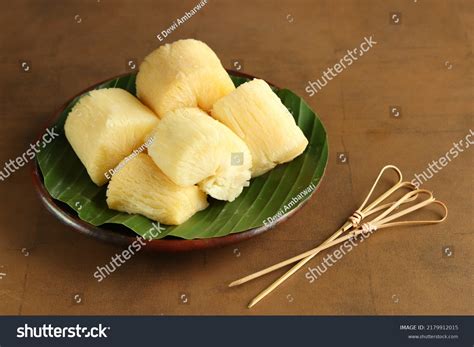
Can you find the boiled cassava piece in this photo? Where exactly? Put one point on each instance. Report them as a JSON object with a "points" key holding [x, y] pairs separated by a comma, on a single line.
{"points": [[141, 187], [105, 126], [191, 147], [185, 73], [256, 114]]}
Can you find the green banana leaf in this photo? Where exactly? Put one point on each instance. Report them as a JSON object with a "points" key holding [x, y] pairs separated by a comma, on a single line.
{"points": [[274, 194]]}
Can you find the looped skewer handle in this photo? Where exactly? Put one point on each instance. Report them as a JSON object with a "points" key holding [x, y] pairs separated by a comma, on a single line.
{"points": [[382, 221], [362, 212], [359, 215], [370, 227], [386, 194]]}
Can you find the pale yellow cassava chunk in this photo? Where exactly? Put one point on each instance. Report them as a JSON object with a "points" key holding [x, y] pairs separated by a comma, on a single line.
{"points": [[141, 187], [105, 126], [186, 73], [256, 114], [191, 147]]}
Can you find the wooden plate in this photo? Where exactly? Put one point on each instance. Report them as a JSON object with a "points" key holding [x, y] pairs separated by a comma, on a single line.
{"points": [[121, 235]]}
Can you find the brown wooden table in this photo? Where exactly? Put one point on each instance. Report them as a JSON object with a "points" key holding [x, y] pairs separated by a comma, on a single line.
{"points": [[422, 64]]}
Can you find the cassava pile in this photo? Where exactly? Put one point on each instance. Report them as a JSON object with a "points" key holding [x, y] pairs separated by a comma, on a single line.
{"points": [[205, 136]]}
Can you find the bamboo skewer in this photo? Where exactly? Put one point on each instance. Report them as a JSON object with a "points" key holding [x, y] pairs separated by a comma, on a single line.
{"points": [[355, 222], [295, 268], [361, 212], [308, 254], [378, 223]]}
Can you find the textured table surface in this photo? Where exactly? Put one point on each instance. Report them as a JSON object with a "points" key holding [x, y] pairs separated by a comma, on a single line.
{"points": [[422, 64]]}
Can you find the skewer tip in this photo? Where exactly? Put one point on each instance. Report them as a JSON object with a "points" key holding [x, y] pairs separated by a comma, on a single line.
{"points": [[238, 282], [253, 302]]}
